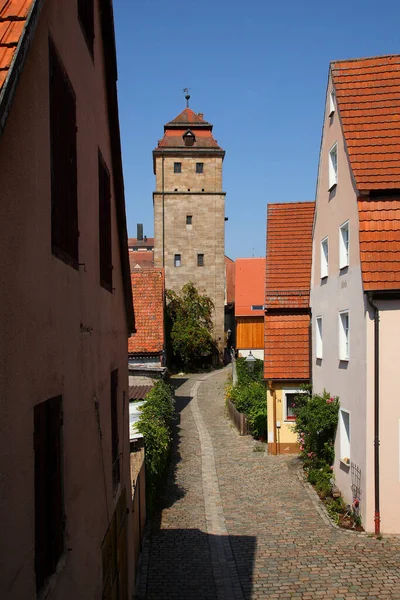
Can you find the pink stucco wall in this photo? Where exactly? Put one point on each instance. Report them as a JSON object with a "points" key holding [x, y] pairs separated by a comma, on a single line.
{"points": [[341, 290], [43, 302]]}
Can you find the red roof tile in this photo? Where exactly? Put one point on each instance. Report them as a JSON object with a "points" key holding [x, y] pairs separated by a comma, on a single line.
{"points": [[188, 119], [230, 268], [289, 254], [287, 346], [380, 242], [249, 286], [368, 99], [148, 299], [141, 260], [13, 16], [174, 139]]}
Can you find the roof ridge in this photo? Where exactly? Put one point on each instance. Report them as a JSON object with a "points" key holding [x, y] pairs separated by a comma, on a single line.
{"points": [[379, 56]]}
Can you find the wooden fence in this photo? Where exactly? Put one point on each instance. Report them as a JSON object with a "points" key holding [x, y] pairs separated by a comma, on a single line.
{"points": [[238, 419]]}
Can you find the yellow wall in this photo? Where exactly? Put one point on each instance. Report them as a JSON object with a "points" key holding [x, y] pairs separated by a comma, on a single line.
{"points": [[286, 442]]}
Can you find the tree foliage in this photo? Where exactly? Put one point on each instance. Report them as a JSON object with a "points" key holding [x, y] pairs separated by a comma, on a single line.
{"points": [[189, 322]]}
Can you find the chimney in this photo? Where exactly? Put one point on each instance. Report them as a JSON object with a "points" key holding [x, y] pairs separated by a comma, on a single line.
{"points": [[201, 115], [140, 232]]}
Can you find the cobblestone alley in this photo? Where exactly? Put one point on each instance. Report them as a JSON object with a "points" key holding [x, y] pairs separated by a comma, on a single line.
{"points": [[238, 524]]}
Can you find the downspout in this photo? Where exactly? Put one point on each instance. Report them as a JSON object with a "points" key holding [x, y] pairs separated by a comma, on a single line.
{"points": [[377, 517], [163, 216], [273, 392]]}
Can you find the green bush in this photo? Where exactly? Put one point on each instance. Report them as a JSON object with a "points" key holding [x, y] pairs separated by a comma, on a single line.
{"points": [[155, 424], [245, 376], [250, 399]]}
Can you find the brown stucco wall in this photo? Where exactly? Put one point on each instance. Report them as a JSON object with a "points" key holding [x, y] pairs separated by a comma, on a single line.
{"points": [[43, 352]]}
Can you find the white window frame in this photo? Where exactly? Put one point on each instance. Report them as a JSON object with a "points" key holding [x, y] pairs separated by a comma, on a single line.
{"points": [[324, 258], [344, 336], [345, 436], [177, 261], [284, 403], [318, 337], [333, 167], [343, 249], [332, 102]]}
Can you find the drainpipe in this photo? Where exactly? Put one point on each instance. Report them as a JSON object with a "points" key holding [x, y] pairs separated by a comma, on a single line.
{"points": [[377, 518], [273, 392], [163, 217]]}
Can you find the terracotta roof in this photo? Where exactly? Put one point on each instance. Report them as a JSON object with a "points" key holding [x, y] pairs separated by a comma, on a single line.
{"points": [[188, 117], [140, 259], [144, 243], [380, 242], [368, 98], [230, 268], [13, 17], [287, 346], [174, 139], [289, 254], [148, 299], [249, 286]]}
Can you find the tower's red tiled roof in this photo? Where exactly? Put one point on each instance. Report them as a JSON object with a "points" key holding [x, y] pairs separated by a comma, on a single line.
{"points": [[249, 286], [188, 117], [289, 254], [13, 17], [287, 346], [148, 299], [368, 98], [380, 242], [174, 139]]}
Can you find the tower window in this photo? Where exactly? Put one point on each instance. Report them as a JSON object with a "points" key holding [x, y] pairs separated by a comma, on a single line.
{"points": [[177, 260], [199, 167], [200, 260], [177, 167], [189, 219]]}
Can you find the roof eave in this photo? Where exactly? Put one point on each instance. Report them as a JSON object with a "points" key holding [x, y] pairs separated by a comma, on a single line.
{"points": [[18, 62]]}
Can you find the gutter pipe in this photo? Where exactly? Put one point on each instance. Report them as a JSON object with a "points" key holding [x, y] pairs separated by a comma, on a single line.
{"points": [[377, 516]]}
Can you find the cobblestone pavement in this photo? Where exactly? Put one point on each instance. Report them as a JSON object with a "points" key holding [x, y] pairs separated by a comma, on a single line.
{"points": [[238, 524]]}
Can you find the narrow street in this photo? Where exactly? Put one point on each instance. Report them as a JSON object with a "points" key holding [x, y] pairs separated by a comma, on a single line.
{"points": [[239, 524]]}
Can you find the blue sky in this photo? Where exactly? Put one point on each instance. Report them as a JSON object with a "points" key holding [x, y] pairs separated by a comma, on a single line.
{"points": [[258, 71]]}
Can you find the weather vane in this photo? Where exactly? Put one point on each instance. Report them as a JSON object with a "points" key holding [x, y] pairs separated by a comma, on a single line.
{"points": [[187, 96]]}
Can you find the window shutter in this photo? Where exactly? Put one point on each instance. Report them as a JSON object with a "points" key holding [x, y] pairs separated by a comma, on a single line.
{"points": [[64, 199], [105, 226]]}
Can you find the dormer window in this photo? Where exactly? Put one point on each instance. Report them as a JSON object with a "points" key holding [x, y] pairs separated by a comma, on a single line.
{"points": [[189, 138], [332, 102]]}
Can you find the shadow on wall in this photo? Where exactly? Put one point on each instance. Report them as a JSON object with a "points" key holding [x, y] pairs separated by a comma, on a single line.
{"points": [[188, 563]]}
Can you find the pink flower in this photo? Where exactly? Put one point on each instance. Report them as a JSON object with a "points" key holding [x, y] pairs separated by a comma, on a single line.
{"points": [[331, 468], [301, 448], [309, 454]]}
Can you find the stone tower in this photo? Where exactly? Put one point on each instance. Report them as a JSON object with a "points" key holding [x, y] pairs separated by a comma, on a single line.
{"points": [[189, 210]]}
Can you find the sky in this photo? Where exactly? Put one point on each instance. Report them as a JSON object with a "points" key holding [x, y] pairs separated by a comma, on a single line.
{"points": [[258, 71]]}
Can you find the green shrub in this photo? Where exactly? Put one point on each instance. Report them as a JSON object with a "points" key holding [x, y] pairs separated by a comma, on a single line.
{"points": [[155, 424], [246, 376], [250, 399]]}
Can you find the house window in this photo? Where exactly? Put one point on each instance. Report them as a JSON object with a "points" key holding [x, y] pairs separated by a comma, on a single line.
{"points": [[63, 161], [344, 335], [324, 258], [114, 429], [189, 219], [177, 260], [344, 429], [333, 166], [332, 102], [105, 226], [344, 245], [257, 307], [200, 260], [318, 338], [49, 511], [177, 167], [199, 167], [86, 19]]}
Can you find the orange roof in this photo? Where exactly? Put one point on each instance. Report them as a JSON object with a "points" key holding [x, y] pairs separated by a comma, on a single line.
{"points": [[287, 346], [368, 99], [148, 299], [230, 268], [380, 242], [141, 259], [289, 254], [187, 117], [189, 120], [13, 17], [249, 286]]}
